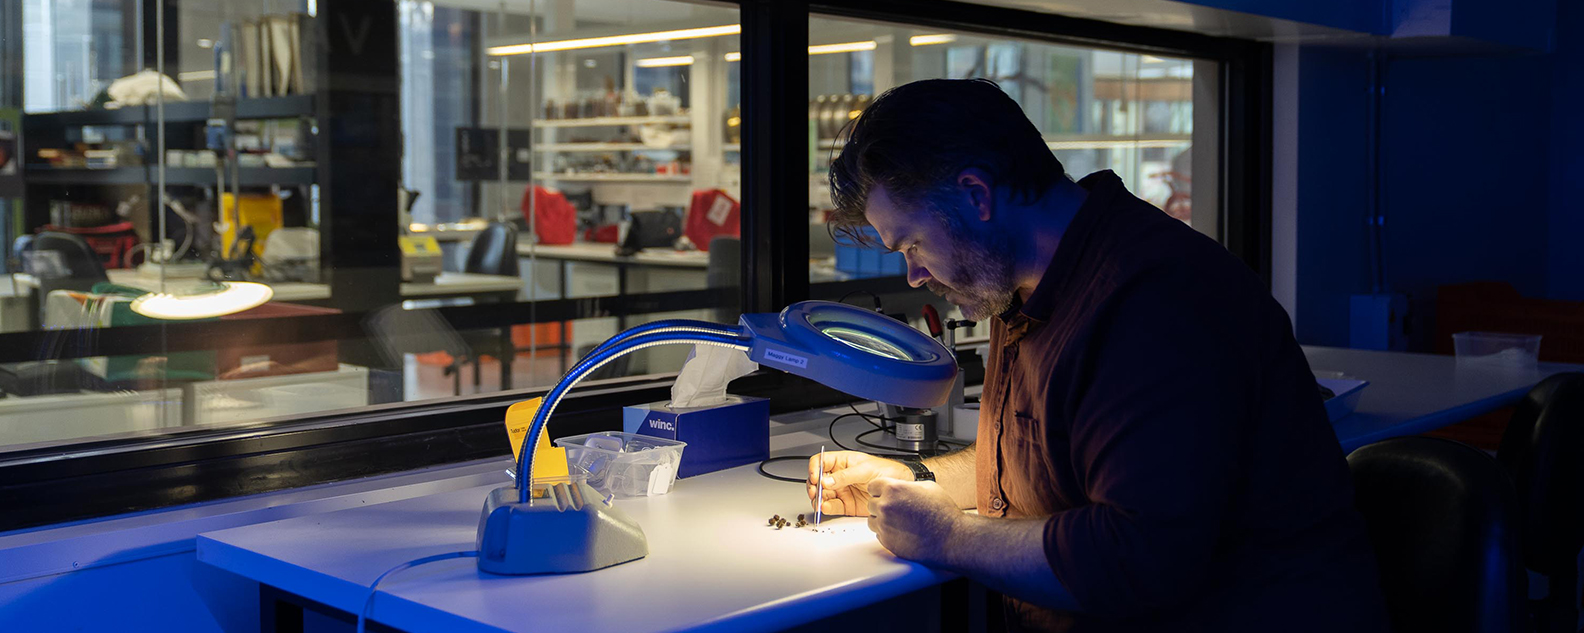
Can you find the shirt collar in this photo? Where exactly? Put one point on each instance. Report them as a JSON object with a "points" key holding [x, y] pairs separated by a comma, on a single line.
{"points": [[1103, 187]]}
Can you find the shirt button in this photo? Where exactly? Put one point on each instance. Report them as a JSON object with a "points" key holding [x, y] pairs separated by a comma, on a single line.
{"points": [[996, 504]]}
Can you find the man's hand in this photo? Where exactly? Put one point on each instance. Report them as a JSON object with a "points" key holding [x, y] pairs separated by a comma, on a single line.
{"points": [[913, 519], [847, 475]]}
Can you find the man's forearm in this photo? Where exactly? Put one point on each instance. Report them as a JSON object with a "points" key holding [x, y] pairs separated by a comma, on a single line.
{"points": [[1007, 555], [954, 471]]}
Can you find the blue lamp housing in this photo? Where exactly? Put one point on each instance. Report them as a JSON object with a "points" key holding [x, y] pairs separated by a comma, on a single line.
{"points": [[853, 350], [570, 528]]}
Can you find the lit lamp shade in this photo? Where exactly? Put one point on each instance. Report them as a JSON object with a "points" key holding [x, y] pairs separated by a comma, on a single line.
{"points": [[228, 297]]}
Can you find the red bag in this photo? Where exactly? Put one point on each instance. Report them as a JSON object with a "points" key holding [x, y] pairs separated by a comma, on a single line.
{"points": [[712, 214], [554, 218]]}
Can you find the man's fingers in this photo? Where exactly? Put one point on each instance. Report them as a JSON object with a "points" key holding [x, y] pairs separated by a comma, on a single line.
{"points": [[874, 524], [879, 485]]}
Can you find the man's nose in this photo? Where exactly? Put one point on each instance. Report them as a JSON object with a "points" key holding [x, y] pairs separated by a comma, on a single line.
{"points": [[917, 274]]}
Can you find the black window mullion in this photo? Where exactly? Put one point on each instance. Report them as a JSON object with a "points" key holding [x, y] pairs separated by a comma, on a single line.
{"points": [[775, 227]]}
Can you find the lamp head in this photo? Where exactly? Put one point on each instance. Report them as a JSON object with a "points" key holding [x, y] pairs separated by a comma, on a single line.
{"points": [[855, 351]]}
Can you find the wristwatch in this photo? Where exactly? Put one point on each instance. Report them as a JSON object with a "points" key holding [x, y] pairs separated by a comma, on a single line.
{"points": [[920, 472]]}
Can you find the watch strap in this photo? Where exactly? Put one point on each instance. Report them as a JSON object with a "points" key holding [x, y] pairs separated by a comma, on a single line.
{"points": [[920, 471]]}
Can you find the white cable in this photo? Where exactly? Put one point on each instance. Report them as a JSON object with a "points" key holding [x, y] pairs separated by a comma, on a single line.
{"points": [[368, 603]]}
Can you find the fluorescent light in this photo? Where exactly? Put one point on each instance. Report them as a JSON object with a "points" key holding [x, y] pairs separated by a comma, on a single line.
{"points": [[231, 297], [196, 75], [1151, 59], [845, 47], [926, 40], [616, 40], [657, 62], [821, 49]]}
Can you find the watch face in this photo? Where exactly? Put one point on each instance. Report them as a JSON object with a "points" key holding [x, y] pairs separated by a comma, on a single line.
{"points": [[865, 341]]}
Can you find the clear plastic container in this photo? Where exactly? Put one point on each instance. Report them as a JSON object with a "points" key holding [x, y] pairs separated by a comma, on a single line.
{"points": [[1497, 348], [625, 464]]}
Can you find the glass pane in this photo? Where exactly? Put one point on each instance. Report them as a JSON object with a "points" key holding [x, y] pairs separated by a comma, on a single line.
{"points": [[1098, 110], [464, 198]]}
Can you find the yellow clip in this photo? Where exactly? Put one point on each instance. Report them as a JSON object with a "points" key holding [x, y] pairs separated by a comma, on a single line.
{"points": [[548, 461]]}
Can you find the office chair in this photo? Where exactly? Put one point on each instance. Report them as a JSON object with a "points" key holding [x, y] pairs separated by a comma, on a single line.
{"points": [[1543, 450], [75, 266], [493, 252], [1444, 522]]}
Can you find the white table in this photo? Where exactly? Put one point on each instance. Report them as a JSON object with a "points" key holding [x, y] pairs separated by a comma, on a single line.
{"points": [[713, 565], [1414, 393]]}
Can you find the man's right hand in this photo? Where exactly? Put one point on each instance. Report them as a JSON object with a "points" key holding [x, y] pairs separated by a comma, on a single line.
{"points": [[847, 475]]}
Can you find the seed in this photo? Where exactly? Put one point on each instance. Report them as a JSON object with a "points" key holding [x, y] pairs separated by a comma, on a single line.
{"points": [[800, 517]]}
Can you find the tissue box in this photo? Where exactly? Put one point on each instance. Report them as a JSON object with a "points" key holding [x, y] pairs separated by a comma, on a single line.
{"points": [[730, 434]]}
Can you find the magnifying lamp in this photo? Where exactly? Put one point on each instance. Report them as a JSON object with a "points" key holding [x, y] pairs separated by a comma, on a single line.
{"points": [[572, 528], [227, 297]]}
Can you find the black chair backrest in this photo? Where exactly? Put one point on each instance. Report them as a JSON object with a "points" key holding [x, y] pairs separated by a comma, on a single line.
{"points": [[80, 261], [1543, 449], [1443, 519], [494, 251]]}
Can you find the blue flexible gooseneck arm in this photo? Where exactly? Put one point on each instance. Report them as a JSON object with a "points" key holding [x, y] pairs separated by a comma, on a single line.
{"points": [[665, 332]]}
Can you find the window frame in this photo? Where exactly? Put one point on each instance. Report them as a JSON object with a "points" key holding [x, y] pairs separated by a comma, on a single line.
{"points": [[100, 478]]}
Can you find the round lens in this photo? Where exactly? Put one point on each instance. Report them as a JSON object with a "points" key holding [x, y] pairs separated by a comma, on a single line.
{"points": [[866, 342]]}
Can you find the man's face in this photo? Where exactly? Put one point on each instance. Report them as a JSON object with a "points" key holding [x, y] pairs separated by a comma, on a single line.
{"points": [[960, 258]]}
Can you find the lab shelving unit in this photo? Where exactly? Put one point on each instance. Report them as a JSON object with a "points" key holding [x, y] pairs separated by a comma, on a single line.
{"points": [[184, 122]]}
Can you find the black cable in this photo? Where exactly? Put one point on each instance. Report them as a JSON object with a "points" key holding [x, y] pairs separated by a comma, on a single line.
{"points": [[869, 417], [832, 432], [794, 480], [844, 298]]}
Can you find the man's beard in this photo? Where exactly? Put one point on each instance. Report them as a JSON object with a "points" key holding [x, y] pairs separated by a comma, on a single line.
{"points": [[983, 270]]}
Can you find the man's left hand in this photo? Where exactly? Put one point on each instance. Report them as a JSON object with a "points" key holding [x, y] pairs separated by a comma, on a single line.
{"points": [[913, 519]]}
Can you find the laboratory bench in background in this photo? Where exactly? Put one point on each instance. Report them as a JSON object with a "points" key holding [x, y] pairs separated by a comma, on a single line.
{"points": [[714, 563]]}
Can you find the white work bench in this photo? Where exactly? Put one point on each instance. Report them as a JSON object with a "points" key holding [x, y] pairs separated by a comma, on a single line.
{"points": [[714, 564]]}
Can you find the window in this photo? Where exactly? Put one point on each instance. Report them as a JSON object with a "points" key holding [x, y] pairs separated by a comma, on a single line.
{"points": [[451, 206], [1099, 109]]}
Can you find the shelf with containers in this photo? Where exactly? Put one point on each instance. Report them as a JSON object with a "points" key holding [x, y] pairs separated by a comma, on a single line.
{"points": [[82, 168]]}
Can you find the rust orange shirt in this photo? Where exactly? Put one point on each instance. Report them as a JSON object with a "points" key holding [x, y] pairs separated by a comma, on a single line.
{"points": [[1148, 400]]}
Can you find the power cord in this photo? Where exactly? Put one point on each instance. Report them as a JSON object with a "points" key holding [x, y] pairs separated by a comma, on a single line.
{"points": [[772, 460], [849, 295], [368, 603]]}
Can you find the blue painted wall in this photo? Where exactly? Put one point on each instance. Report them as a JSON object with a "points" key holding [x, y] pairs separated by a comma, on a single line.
{"points": [[1565, 252], [1332, 205], [1466, 167], [1479, 157]]}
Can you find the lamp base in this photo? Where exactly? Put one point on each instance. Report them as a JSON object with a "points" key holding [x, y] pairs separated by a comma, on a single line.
{"points": [[570, 529]]}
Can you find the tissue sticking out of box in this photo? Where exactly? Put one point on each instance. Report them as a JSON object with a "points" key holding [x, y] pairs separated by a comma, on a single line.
{"points": [[705, 375]]}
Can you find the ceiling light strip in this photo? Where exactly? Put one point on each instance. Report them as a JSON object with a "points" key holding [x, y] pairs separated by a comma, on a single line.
{"points": [[616, 40]]}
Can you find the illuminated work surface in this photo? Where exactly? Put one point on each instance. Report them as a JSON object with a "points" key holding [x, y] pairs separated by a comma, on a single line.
{"points": [[713, 563]]}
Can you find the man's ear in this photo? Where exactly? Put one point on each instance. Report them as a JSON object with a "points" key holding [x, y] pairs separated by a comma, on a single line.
{"points": [[980, 191]]}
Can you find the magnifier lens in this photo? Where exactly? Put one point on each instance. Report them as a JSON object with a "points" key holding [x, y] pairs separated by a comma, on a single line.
{"points": [[866, 342]]}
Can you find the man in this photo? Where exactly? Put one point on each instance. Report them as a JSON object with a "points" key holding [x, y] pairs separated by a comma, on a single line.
{"points": [[1153, 453]]}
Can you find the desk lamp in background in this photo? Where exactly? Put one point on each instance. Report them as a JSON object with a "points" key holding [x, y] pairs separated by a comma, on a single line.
{"points": [[568, 527]]}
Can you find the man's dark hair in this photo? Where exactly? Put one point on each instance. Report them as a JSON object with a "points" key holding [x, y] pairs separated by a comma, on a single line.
{"points": [[915, 138]]}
